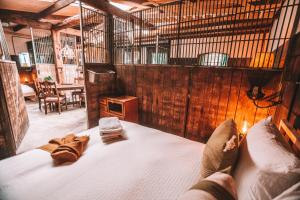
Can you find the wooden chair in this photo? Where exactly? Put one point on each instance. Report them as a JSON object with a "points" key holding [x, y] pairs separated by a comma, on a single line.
{"points": [[51, 96], [78, 95], [39, 92], [81, 99]]}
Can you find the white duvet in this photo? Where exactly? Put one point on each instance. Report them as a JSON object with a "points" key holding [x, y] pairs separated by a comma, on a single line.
{"points": [[27, 91], [149, 165]]}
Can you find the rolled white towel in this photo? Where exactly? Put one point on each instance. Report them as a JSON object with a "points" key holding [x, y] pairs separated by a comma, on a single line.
{"points": [[109, 125]]}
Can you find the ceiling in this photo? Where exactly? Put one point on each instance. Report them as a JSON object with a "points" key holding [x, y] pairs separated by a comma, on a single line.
{"points": [[37, 6]]}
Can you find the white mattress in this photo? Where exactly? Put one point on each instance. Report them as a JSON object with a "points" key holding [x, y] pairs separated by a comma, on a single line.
{"points": [[149, 165]]}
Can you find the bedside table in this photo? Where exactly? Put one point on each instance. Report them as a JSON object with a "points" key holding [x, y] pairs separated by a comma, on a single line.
{"points": [[123, 107]]}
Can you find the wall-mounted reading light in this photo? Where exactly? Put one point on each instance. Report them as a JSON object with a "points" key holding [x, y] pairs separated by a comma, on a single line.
{"points": [[257, 81], [244, 128]]}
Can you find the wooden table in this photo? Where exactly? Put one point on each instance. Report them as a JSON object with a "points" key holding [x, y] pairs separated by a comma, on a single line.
{"points": [[69, 87]]}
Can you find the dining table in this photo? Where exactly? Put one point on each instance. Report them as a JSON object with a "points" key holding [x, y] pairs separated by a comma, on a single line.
{"points": [[69, 87]]}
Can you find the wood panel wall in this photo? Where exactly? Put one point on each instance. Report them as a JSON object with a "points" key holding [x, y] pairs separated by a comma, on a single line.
{"points": [[94, 90], [13, 118], [290, 107], [192, 101]]}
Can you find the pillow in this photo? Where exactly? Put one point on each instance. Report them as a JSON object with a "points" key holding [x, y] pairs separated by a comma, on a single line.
{"points": [[268, 150], [221, 149], [255, 177], [218, 186]]}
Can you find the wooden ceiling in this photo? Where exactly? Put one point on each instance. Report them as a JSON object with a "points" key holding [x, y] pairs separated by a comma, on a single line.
{"points": [[47, 14], [43, 14]]}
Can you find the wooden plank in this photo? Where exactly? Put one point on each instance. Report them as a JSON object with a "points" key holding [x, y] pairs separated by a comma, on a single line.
{"points": [[12, 106], [30, 15], [107, 7], [57, 56], [19, 19], [215, 95], [291, 135], [58, 5], [67, 23]]}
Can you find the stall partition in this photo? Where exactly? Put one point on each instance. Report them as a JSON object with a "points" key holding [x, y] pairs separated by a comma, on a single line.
{"points": [[96, 59], [193, 64]]}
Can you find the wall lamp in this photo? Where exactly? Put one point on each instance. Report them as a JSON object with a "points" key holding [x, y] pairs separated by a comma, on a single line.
{"points": [[257, 81]]}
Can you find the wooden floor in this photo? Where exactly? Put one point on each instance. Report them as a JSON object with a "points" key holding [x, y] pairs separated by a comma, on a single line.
{"points": [[43, 127]]}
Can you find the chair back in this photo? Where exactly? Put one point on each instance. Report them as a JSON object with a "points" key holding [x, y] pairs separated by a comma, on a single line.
{"points": [[49, 89], [38, 88]]}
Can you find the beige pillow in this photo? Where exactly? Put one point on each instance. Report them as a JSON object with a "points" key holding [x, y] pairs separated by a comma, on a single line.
{"points": [[221, 150]]}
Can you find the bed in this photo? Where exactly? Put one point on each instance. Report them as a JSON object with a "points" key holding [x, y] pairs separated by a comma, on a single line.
{"points": [[150, 164], [28, 91]]}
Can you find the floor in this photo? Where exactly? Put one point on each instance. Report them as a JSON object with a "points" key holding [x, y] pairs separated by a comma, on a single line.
{"points": [[43, 127]]}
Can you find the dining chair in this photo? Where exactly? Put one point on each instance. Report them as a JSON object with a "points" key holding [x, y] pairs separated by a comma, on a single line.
{"points": [[51, 95], [77, 95], [39, 92]]}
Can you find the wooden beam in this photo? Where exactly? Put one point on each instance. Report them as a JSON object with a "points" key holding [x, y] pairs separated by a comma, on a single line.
{"points": [[68, 23], [31, 15], [71, 31], [19, 19], [18, 27], [107, 7], [58, 5], [75, 21], [139, 1], [57, 55]]}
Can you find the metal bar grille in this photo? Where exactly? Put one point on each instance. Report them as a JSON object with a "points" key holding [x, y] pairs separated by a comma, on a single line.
{"points": [[95, 36], [43, 46], [252, 33]]}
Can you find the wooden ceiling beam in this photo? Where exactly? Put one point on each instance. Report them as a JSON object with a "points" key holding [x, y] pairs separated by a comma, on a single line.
{"points": [[19, 27], [58, 5], [30, 15], [107, 7], [19, 19], [67, 23]]}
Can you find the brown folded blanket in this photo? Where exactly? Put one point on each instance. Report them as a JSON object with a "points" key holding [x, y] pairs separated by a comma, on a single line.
{"points": [[214, 189], [66, 149]]}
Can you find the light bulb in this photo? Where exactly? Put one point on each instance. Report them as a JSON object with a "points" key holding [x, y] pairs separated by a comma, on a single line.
{"points": [[245, 127]]}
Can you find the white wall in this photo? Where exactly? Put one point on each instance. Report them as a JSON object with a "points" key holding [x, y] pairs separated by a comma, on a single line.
{"points": [[282, 27], [16, 44]]}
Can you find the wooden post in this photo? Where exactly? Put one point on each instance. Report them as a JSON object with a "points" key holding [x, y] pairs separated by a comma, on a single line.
{"points": [[57, 55]]}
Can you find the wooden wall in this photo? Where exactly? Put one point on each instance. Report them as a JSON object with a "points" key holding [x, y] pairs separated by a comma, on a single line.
{"points": [[94, 90], [290, 107], [14, 120], [192, 101]]}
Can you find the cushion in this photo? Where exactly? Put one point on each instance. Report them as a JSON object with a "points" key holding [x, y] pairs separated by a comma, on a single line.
{"points": [[268, 150], [221, 149], [216, 186], [255, 177]]}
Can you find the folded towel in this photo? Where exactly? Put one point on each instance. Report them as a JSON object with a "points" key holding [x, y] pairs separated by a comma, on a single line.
{"points": [[109, 124], [67, 149]]}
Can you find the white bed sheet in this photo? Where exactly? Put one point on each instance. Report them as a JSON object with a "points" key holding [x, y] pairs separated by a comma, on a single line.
{"points": [[150, 165]]}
